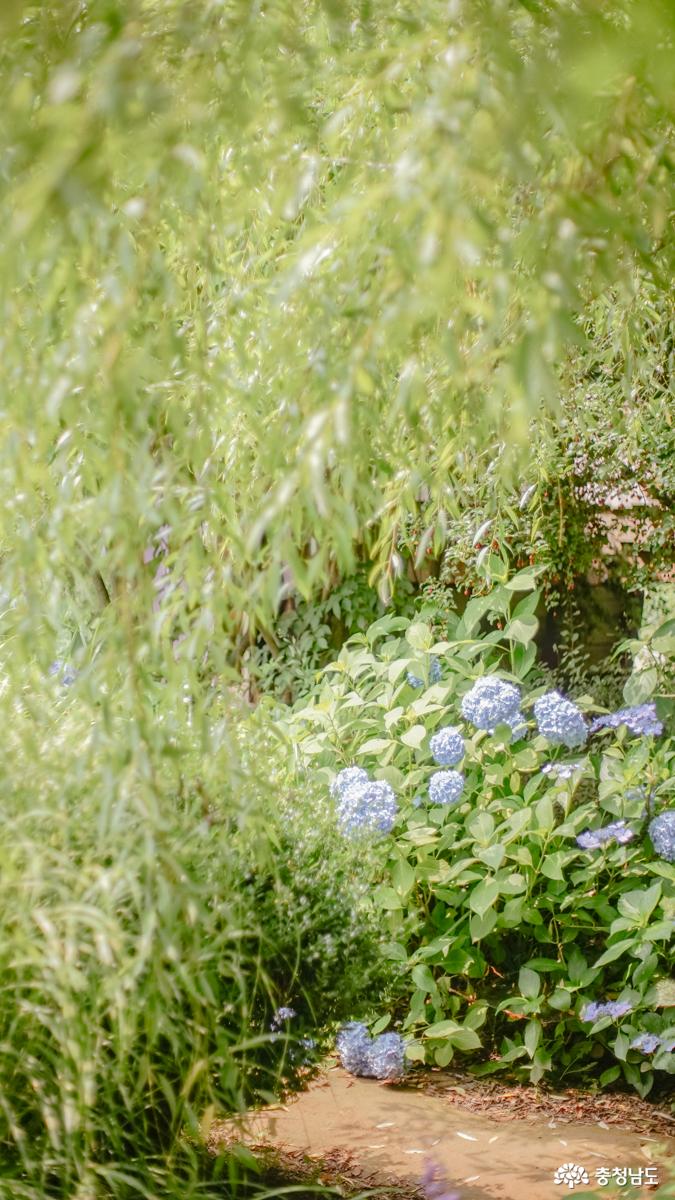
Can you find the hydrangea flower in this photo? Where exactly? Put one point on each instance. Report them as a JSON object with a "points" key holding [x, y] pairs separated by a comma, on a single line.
{"points": [[379, 1058], [353, 1047], [434, 674], [561, 770], [593, 839], [367, 806], [559, 720], [662, 833], [387, 1056], [346, 777], [640, 719], [611, 1008], [492, 702], [447, 746], [646, 1042], [446, 787]]}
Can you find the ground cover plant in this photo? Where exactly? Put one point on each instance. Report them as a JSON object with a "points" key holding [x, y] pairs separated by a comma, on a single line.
{"points": [[528, 879]]}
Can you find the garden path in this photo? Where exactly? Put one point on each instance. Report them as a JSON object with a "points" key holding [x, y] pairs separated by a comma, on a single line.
{"points": [[392, 1131]]}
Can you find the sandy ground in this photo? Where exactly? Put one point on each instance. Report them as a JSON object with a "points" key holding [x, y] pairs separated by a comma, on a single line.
{"points": [[392, 1133]]}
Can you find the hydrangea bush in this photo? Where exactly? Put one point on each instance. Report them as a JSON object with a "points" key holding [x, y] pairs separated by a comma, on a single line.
{"points": [[528, 889]]}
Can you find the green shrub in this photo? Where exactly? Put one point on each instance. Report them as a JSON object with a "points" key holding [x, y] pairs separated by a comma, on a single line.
{"points": [[154, 915], [498, 920]]}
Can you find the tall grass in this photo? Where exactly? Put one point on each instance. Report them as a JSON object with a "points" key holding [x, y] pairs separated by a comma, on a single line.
{"points": [[149, 925]]}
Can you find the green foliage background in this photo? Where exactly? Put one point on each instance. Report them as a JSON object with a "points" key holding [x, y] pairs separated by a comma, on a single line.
{"points": [[272, 276]]}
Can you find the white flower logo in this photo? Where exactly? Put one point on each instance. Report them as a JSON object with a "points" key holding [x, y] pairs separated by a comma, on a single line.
{"points": [[571, 1174]]}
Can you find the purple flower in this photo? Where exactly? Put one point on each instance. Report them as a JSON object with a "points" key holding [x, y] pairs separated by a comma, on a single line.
{"points": [[353, 1047], [646, 1042], [640, 719], [435, 1185], [593, 839], [282, 1014], [447, 746], [610, 1008]]}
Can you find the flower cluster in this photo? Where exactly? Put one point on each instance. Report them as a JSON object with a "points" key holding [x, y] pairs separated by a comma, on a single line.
{"points": [[345, 778], [559, 720], [649, 1042], [446, 787], [662, 833], [434, 674], [447, 746], [593, 839], [611, 1008], [378, 1058], [641, 719], [366, 805], [492, 702]]}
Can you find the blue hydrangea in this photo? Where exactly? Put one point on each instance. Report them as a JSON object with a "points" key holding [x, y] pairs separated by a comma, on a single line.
{"points": [[560, 721], [611, 1008], [345, 778], [446, 787], [640, 719], [353, 1047], [617, 831], [662, 833], [447, 746], [492, 702], [434, 674], [380, 1058], [367, 806], [646, 1042], [387, 1056]]}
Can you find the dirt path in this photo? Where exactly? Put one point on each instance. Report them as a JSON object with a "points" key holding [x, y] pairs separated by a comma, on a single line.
{"points": [[393, 1132]]}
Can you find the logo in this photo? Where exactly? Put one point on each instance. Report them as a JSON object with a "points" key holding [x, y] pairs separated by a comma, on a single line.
{"points": [[571, 1174]]}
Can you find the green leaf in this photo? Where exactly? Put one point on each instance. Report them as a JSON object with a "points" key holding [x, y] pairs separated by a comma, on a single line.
{"points": [[419, 636], [522, 629], [375, 746], [444, 1054], [529, 983], [524, 581], [482, 897], [638, 905], [403, 877], [481, 926], [532, 1036], [414, 737], [380, 1025], [466, 1039], [481, 826], [441, 1029], [616, 951], [640, 686], [423, 978]]}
